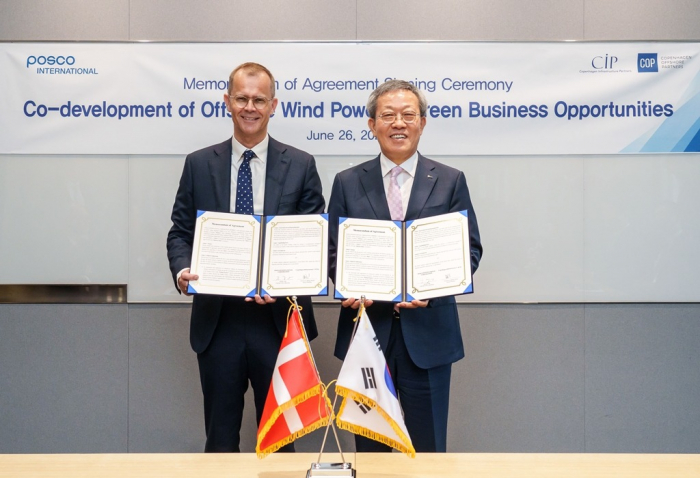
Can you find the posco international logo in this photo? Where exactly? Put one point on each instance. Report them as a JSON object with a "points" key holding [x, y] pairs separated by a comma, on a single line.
{"points": [[50, 60], [57, 65], [647, 63]]}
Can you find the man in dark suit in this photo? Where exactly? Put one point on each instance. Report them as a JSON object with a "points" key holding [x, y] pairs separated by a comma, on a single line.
{"points": [[237, 339], [420, 339]]}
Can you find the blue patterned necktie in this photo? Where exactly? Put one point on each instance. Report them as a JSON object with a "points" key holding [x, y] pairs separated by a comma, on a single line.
{"points": [[244, 185]]}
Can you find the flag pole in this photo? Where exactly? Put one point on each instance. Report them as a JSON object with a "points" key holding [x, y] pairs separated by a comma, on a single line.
{"points": [[325, 436], [330, 423], [325, 403], [357, 319]]}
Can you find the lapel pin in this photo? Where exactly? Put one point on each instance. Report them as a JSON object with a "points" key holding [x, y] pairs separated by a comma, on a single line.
{"points": [[429, 176]]}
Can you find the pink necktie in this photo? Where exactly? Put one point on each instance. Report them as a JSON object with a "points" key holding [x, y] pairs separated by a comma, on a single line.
{"points": [[394, 195]]}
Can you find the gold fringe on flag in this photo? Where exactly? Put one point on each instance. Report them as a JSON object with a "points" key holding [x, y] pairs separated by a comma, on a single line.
{"points": [[316, 390], [359, 430]]}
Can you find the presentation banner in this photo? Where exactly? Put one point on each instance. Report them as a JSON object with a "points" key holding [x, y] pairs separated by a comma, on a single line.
{"points": [[484, 98]]}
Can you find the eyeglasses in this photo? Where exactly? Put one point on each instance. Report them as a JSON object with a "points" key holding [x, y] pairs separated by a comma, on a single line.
{"points": [[409, 117], [259, 102]]}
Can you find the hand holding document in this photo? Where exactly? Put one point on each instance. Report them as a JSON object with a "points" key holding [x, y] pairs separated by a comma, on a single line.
{"points": [[400, 262], [245, 255]]}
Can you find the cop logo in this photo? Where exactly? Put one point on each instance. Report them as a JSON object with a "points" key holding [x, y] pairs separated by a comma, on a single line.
{"points": [[647, 63]]}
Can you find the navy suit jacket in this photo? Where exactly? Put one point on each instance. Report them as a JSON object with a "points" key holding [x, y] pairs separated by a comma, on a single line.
{"points": [[292, 186], [432, 334]]}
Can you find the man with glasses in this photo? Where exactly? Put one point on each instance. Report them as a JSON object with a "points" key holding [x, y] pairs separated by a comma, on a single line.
{"points": [[420, 339], [237, 339]]}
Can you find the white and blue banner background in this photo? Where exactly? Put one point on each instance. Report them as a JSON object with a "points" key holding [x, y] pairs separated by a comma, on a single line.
{"points": [[485, 98]]}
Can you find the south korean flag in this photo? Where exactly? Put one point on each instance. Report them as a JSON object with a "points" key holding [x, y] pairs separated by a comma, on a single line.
{"points": [[370, 404]]}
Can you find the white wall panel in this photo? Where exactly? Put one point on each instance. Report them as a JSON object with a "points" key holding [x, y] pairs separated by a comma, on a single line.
{"points": [[63, 219], [153, 182], [642, 228]]}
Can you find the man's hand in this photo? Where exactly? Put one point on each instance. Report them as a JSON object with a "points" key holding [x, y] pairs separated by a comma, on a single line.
{"points": [[355, 303], [185, 279], [414, 304], [266, 299]]}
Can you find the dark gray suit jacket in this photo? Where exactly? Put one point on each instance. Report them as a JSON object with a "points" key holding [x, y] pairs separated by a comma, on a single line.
{"points": [[432, 334], [292, 186]]}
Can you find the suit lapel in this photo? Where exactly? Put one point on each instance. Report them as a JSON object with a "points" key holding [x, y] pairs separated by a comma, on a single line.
{"points": [[220, 172], [276, 170], [423, 184], [373, 185]]}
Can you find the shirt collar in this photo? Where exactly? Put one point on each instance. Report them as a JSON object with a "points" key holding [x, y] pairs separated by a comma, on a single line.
{"points": [[259, 149], [409, 165]]}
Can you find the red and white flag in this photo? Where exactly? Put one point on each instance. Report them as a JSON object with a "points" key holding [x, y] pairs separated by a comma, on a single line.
{"points": [[296, 403]]}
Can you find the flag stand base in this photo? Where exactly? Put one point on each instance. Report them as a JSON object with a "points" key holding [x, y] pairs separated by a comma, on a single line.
{"points": [[330, 469]]}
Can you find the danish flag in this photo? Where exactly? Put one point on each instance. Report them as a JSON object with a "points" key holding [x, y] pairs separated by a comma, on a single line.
{"points": [[296, 402]]}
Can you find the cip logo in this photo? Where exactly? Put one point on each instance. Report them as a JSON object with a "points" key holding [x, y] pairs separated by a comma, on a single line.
{"points": [[647, 63], [606, 62]]}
